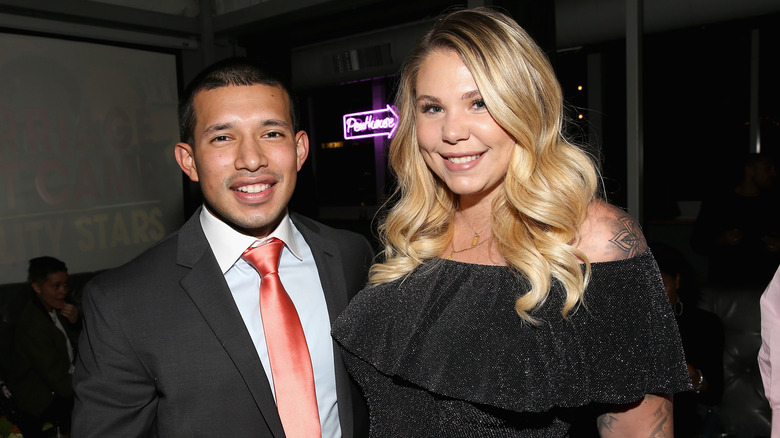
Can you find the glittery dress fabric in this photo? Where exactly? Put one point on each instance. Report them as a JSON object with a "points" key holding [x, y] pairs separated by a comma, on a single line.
{"points": [[442, 353]]}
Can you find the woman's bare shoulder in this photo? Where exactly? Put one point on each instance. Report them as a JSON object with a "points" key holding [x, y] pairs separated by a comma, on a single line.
{"points": [[609, 233]]}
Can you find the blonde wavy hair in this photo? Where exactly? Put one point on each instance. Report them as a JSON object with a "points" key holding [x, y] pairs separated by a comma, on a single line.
{"points": [[548, 185]]}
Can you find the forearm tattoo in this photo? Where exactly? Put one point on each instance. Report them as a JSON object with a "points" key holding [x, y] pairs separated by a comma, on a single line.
{"points": [[662, 419], [657, 424], [605, 423], [628, 236]]}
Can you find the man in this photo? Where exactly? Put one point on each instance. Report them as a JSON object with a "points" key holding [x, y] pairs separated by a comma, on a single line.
{"points": [[174, 344], [45, 348], [739, 231]]}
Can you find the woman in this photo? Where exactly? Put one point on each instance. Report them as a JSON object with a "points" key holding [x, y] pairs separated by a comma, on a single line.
{"points": [[701, 332], [478, 322], [45, 347]]}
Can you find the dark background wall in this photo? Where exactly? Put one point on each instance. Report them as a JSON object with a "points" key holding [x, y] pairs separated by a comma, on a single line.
{"points": [[698, 65]]}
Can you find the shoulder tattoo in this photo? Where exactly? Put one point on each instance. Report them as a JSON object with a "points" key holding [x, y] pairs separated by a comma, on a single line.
{"points": [[627, 236]]}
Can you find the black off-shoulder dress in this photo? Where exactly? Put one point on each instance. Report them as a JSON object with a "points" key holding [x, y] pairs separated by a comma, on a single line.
{"points": [[442, 353]]}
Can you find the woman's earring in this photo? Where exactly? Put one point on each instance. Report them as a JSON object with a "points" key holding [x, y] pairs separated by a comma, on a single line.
{"points": [[678, 307]]}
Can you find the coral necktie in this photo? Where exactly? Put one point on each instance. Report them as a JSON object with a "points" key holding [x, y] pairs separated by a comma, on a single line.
{"points": [[291, 368]]}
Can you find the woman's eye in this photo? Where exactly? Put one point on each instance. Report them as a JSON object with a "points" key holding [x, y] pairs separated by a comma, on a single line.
{"points": [[479, 104], [430, 108]]}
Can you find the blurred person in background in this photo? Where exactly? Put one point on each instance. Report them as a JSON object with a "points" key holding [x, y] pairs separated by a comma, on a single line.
{"points": [[45, 346], [739, 230], [702, 337]]}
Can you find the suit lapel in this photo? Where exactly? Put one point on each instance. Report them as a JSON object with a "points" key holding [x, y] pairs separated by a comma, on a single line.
{"points": [[329, 266], [328, 260], [208, 290]]}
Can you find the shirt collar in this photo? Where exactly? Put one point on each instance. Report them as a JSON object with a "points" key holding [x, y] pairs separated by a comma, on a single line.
{"points": [[228, 244]]}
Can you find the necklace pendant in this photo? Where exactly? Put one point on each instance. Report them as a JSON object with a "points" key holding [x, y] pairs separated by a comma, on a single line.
{"points": [[475, 240]]}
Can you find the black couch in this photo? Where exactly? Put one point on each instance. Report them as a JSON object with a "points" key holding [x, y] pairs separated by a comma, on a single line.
{"points": [[744, 409]]}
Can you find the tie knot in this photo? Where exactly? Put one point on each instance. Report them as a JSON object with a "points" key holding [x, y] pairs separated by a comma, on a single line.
{"points": [[265, 258]]}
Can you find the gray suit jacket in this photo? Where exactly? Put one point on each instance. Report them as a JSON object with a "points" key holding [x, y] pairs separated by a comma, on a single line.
{"points": [[164, 351]]}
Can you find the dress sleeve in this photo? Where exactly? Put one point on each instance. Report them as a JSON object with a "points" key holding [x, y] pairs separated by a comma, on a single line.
{"points": [[769, 353], [630, 341]]}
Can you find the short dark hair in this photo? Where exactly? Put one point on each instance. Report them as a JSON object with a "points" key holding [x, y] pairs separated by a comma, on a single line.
{"points": [[41, 267], [237, 71], [671, 261]]}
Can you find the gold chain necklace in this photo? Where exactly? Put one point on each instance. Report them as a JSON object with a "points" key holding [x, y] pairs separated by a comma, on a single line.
{"points": [[476, 234], [474, 242], [454, 251]]}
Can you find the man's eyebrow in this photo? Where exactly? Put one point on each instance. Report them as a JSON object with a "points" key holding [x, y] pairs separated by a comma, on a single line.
{"points": [[228, 125], [275, 122], [217, 127]]}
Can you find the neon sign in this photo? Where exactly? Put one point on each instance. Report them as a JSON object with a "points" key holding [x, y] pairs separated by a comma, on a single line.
{"points": [[374, 123]]}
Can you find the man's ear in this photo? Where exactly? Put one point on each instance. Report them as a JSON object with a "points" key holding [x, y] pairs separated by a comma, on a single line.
{"points": [[36, 287], [301, 147], [186, 159]]}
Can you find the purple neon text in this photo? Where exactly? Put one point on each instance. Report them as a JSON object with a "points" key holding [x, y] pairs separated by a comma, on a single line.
{"points": [[356, 125], [381, 122]]}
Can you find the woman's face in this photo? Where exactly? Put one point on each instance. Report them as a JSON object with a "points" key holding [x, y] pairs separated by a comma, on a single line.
{"points": [[53, 290], [459, 140]]}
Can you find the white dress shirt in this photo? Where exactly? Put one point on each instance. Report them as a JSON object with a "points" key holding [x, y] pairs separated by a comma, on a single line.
{"points": [[58, 324], [299, 275]]}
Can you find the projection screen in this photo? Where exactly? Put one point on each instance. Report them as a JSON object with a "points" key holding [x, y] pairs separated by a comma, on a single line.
{"points": [[87, 172]]}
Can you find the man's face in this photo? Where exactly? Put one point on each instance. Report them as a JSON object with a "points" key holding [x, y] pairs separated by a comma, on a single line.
{"points": [[245, 155], [764, 173]]}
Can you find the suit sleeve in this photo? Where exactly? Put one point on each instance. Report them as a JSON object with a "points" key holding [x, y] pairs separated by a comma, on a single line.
{"points": [[114, 393], [769, 353]]}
